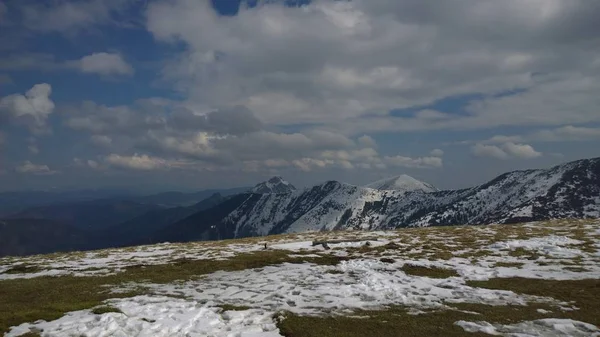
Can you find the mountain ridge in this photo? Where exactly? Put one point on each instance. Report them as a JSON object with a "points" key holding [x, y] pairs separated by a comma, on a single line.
{"points": [[275, 184], [401, 182], [563, 191]]}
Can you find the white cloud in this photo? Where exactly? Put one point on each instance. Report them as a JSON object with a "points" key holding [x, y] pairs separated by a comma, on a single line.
{"points": [[104, 64], [493, 151], [137, 162], [521, 150], [33, 149], [409, 162], [72, 16], [29, 168], [437, 153], [31, 109], [367, 141], [568, 133], [388, 55], [87, 163], [505, 151], [101, 140]]}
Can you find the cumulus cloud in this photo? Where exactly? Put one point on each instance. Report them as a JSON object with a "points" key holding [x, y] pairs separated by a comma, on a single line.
{"points": [[33, 148], [37, 169], [493, 151], [101, 140], [104, 64], [521, 150], [437, 153], [87, 163], [101, 63], [388, 55], [568, 133], [367, 141], [142, 162], [31, 109], [409, 162], [505, 151], [70, 17], [136, 162]]}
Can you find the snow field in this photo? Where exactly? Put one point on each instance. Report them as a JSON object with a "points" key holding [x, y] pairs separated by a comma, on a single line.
{"points": [[362, 282]]}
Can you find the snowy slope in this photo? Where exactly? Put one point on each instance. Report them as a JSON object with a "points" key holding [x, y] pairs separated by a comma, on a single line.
{"points": [[403, 183], [274, 185], [571, 190]]}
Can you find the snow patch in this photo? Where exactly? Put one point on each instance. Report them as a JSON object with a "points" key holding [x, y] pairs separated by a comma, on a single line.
{"points": [[549, 327], [157, 316], [550, 245]]}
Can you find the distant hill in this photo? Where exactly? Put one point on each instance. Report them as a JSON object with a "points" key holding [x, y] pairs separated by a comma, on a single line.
{"points": [[570, 190], [173, 199], [139, 229], [88, 215], [37, 236], [13, 202]]}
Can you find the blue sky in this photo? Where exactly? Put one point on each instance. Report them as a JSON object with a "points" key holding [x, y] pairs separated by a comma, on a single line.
{"points": [[192, 94]]}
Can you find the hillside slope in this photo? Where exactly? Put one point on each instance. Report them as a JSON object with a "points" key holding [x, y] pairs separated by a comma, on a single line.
{"points": [[403, 183], [571, 190]]}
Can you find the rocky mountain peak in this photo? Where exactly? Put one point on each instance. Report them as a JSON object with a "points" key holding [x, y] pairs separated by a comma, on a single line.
{"points": [[402, 183], [276, 185]]}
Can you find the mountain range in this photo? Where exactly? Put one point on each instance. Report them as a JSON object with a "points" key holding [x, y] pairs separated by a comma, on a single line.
{"points": [[570, 190]]}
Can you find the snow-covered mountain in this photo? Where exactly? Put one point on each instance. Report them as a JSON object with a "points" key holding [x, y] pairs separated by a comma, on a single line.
{"points": [[570, 190], [275, 185], [402, 183]]}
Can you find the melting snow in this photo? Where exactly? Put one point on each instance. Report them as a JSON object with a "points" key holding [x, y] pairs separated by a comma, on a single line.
{"points": [[550, 327], [149, 316], [549, 245]]}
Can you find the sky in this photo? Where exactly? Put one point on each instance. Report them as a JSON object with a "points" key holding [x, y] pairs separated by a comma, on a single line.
{"points": [[194, 94]]}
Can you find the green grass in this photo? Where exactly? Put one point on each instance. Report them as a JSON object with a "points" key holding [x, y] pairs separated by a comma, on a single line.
{"points": [[105, 309], [584, 293], [49, 298], [395, 321], [509, 264], [433, 272], [23, 269], [230, 307], [392, 322]]}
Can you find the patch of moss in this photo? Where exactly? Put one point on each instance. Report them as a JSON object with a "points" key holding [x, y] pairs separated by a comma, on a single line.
{"points": [[23, 269], [584, 293], [230, 307], [509, 264], [432, 272], [105, 309]]}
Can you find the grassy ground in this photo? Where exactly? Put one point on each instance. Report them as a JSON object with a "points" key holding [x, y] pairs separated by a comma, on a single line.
{"points": [[432, 272], [49, 298], [396, 321]]}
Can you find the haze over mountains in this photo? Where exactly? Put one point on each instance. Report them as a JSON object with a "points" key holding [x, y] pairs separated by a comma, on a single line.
{"points": [[570, 190]]}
